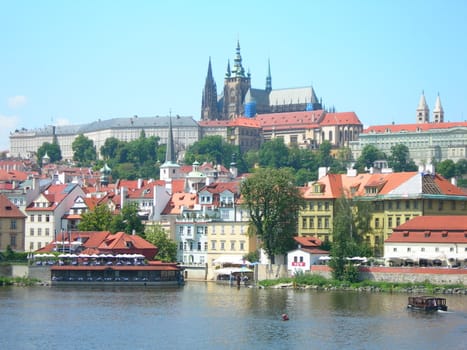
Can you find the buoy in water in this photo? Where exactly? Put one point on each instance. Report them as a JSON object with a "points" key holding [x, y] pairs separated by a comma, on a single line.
{"points": [[285, 317]]}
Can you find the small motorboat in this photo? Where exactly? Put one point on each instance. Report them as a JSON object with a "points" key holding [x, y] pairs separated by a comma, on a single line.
{"points": [[427, 303]]}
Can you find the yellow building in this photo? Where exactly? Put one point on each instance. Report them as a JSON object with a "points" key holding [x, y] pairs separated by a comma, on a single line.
{"points": [[395, 199]]}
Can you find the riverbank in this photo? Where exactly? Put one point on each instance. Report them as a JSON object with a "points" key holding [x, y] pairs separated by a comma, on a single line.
{"points": [[18, 281], [317, 282]]}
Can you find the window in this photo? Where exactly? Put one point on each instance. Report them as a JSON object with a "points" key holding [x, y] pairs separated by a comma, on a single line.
{"points": [[453, 205], [32, 217], [205, 246], [184, 246], [326, 206], [47, 218], [13, 241], [437, 249], [222, 245], [31, 231], [295, 259], [390, 222], [326, 222], [398, 204], [180, 246], [320, 206], [394, 249], [423, 249], [13, 224], [31, 245], [304, 223], [407, 204], [301, 259], [312, 222], [408, 249], [415, 204], [232, 245], [39, 231], [242, 245], [377, 223], [398, 221], [389, 205], [451, 249], [47, 231], [39, 218]]}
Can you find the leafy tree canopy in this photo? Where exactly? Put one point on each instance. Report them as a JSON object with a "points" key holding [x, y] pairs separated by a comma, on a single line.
{"points": [[369, 155], [53, 151], [98, 219], [84, 151], [273, 202], [214, 149], [128, 220], [447, 168], [399, 159], [166, 248]]}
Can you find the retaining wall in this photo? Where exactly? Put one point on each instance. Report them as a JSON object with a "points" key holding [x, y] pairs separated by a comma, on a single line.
{"points": [[435, 275]]}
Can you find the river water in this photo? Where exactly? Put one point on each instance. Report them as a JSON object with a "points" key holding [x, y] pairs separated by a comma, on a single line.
{"points": [[210, 316]]}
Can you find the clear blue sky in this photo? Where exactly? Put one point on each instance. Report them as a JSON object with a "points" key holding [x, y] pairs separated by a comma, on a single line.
{"points": [[77, 61]]}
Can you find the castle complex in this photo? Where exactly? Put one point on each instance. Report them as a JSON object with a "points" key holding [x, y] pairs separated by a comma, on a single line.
{"points": [[240, 99]]}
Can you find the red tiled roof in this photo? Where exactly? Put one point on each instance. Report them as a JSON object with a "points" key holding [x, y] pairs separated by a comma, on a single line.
{"points": [[341, 118], [431, 229], [8, 209], [300, 118], [397, 128], [308, 241]]}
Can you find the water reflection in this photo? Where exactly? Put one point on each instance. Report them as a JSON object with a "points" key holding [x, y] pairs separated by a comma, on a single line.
{"points": [[210, 316]]}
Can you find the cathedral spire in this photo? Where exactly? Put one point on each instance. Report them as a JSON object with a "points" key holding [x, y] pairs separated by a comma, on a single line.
{"points": [[169, 153], [438, 112], [238, 70], [268, 78], [228, 73], [423, 113], [209, 109]]}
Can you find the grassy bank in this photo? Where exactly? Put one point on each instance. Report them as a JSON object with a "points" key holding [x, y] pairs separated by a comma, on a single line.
{"points": [[17, 281], [321, 283]]}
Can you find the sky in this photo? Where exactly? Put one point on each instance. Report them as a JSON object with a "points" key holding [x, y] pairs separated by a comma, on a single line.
{"points": [[77, 61]]}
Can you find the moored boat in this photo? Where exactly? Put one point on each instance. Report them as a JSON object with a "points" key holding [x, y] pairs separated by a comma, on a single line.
{"points": [[427, 303], [157, 274]]}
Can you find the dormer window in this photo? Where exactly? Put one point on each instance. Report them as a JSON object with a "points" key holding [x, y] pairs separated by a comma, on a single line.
{"points": [[427, 234], [444, 234], [406, 233]]}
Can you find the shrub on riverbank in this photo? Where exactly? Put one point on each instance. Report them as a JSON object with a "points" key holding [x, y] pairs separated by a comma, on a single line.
{"points": [[319, 282], [17, 281]]}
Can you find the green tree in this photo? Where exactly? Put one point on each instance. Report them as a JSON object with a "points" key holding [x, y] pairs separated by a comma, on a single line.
{"points": [[273, 202], [128, 220], [274, 154], [98, 219], [166, 248], [399, 160], [351, 222], [325, 158], [447, 168], [53, 151], [369, 155], [84, 151], [110, 148]]}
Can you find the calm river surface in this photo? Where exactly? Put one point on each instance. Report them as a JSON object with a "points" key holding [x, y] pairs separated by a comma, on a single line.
{"points": [[209, 316]]}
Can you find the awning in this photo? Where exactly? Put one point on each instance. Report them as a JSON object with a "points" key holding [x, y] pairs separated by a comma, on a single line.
{"points": [[231, 270], [231, 259]]}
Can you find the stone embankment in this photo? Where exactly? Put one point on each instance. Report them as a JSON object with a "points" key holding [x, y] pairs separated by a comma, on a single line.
{"points": [[374, 289]]}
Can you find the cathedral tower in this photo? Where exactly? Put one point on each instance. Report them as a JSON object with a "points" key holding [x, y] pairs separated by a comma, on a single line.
{"points": [[423, 112], [438, 112], [236, 85], [209, 109]]}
